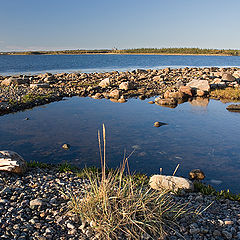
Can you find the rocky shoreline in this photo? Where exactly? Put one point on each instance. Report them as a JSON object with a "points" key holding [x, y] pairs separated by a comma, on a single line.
{"points": [[172, 86], [33, 206]]}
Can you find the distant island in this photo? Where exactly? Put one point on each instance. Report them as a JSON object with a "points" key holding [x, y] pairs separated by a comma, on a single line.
{"points": [[163, 51]]}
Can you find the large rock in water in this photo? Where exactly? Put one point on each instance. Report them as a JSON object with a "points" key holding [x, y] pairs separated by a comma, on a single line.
{"points": [[12, 162], [199, 85], [162, 182], [233, 107]]}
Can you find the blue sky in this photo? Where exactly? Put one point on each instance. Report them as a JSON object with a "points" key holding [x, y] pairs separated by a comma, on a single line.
{"points": [[98, 24]]}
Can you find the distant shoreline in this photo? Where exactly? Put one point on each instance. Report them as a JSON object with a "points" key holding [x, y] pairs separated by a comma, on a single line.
{"points": [[135, 51], [161, 54]]}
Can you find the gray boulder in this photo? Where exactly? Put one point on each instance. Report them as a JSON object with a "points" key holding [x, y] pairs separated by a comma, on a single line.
{"points": [[227, 77], [199, 85], [162, 182], [12, 162], [39, 85]]}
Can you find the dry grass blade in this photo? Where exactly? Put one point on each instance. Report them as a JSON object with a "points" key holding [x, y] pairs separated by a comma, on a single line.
{"points": [[118, 205]]}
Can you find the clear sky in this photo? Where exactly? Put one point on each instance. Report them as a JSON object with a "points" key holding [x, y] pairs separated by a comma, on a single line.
{"points": [[98, 24]]}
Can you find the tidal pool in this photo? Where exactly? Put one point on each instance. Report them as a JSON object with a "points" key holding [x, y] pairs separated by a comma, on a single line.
{"points": [[201, 134]]}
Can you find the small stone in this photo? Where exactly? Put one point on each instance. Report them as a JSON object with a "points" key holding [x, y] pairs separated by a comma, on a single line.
{"points": [[36, 202], [71, 226], [228, 222], [194, 230], [227, 234], [159, 124], [151, 102], [66, 146], [196, 174], [216, 233]]}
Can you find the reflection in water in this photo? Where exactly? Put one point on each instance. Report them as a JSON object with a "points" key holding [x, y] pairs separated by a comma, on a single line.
{"points": [[199, 102], [204, 138]]}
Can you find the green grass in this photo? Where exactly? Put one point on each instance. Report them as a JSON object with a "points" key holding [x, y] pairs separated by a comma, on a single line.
{"points": [[209, 190], [36, 164]]}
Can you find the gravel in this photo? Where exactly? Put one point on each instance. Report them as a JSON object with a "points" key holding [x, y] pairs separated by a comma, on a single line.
{"points": [[32, 206]]}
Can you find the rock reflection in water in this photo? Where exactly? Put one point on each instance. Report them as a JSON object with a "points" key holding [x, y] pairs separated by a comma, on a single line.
{"points": [[199, 102]]}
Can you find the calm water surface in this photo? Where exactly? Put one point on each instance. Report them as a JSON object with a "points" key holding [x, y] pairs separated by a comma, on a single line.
{"points": [[205, 136], [91, 63]]}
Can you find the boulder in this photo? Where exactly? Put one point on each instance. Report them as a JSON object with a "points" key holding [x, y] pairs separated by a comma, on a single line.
{"points": [[166, 102], [186, 90], [39, 85], [126, 86], [15, 81], [114, 94], [199, 85], [196, 174], [177, 95], [12, 162], [227, 77], [233, 107], [162, 182], [105, 83], [200, 93]]}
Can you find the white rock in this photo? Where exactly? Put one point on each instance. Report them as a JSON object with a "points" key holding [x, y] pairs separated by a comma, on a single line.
{"points": [[199, 85], [39, 85], [126, 85], [105, 83], [172, 183], [114, 94], [12, 162]]}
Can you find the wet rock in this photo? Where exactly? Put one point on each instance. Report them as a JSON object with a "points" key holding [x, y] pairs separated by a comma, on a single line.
{"points": [[97, 96], [66, 146], [172, 183], [12, 162], [151, 102], [199, 101], [196, 174], [166, 102], [233, 107], [159, 124], [114, 94]]}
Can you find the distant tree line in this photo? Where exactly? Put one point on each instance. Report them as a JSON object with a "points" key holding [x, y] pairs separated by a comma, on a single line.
{"points": [[229, 52], [183, 51]]}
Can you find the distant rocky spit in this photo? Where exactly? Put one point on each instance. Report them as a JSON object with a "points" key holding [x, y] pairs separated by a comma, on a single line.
{"points": [[171, 86]]}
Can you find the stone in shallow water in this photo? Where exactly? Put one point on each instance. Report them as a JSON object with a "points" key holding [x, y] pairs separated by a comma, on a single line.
{"points": [[196, 174], [66, 146], [159, 124], [233, 107]]}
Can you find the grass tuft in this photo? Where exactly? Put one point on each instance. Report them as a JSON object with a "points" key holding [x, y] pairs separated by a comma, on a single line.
{"points": [[119, 204]]}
